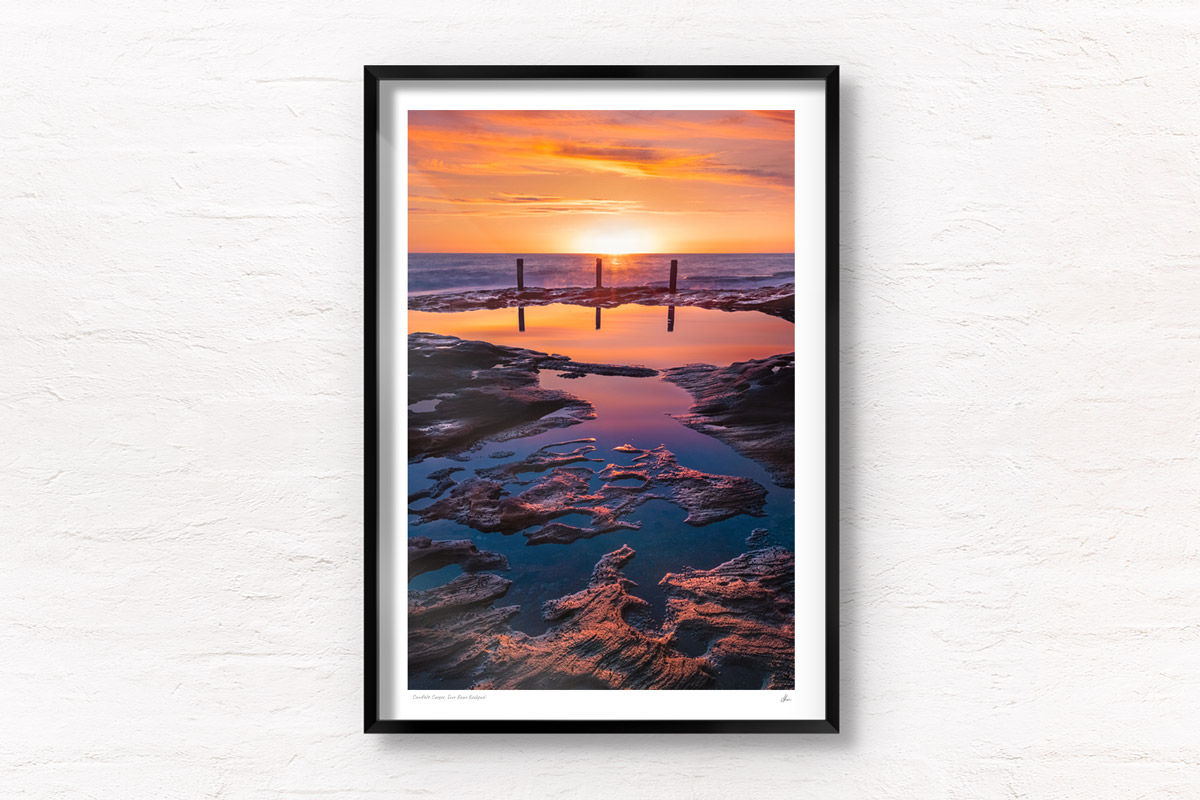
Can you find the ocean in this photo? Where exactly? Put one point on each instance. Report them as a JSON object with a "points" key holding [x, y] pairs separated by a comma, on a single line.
{"points": [[454, 272]]}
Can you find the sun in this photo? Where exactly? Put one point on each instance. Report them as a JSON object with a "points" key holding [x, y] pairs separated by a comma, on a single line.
{"points": [[615, 240]]}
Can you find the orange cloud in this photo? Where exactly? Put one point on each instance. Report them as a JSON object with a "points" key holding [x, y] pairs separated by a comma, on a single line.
{"points": [[515, 205], [703, 170], [785, 117]]}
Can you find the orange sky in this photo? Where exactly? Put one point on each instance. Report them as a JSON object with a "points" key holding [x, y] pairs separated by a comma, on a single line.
{"points": [[600, 181]]}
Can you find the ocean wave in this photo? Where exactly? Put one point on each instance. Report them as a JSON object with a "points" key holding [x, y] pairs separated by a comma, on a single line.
{"points": [[439, 272], [736, 279]]}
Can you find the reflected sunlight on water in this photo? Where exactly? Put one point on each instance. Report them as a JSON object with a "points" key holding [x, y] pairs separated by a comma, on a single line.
{"points": [[630, 334], [628, 410]]}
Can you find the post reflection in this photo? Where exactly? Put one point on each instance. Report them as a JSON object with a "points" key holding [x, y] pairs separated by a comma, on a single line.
{"points": [[597, 317], [670, 319], [631, 333], [521, 318]]}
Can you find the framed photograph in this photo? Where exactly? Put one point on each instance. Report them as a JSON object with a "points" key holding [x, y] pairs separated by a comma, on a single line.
{"points": [[601, 399]]}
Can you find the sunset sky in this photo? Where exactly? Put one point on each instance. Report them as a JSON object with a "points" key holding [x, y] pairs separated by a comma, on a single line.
{"points": [[600, 181]]}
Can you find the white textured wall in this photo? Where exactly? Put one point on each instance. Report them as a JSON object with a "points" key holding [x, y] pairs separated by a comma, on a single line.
{"points": [[181, 409]]}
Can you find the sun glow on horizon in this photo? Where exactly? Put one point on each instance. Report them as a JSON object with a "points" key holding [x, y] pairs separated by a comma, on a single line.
{"points": [[616, 241]]}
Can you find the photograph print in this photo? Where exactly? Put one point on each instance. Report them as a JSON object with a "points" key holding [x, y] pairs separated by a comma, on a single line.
{"points": [[601, 400]]}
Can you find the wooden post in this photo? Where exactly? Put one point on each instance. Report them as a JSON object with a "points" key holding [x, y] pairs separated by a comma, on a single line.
{"points": [[674, 273], [598, 270], [521, 275], [521, 318], [670, 319]]}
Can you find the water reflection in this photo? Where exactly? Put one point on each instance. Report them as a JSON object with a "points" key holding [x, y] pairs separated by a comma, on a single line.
{"points": [[631, 334], [628, 410]]}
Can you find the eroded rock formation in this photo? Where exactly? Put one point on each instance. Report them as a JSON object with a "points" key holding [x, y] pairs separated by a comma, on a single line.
{"points": [[468, 590], [744, 610], [738, 614], [577, 369], [749, 405], [451, 628], [426, 555], [484, 503], [777, 301], [484, 391], [758, 537], [544, 458], [592, 646], [470, 392], [441, 482], [706, 497]]}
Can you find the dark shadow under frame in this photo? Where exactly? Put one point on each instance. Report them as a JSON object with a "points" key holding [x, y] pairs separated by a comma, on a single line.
{"points": [[373, 75]]}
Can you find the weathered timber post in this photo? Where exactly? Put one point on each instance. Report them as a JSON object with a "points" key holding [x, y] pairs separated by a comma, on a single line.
{"points": [[598, 273], [520, 275], [674, 273]]}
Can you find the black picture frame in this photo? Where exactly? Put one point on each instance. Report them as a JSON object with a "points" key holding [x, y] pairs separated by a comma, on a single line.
{"points": [[374, 76]]}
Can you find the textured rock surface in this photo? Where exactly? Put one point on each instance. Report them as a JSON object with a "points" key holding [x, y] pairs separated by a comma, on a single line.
{"points": [[577, 369], [749, 406], [442, 481], [426, 555], [545, 457], [776, 301], [453, 627], [483, 503], [591, 646], [464, 593], [485, 392], [742, 610], [706, 497], [740, 613], [181, 606]]}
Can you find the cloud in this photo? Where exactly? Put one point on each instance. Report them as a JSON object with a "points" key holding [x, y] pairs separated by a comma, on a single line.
{"points": [[661, 125], [505, 167], [503, 205], [765, 176], [509, 163], [643, 161], [784, 117], [504, 197]]}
